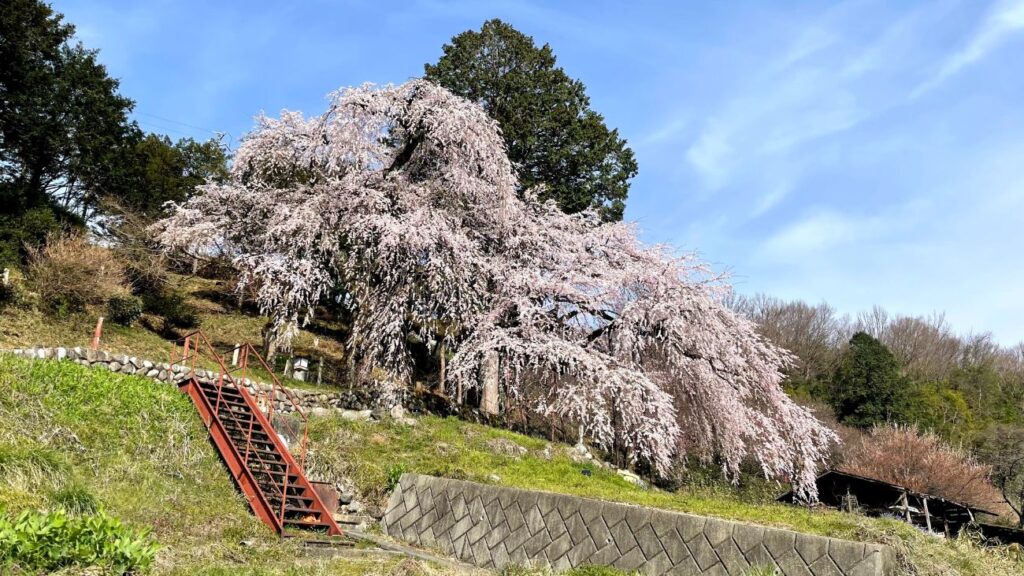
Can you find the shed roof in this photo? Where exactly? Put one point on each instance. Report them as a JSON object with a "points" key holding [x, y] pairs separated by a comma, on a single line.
{"points": [[880, 494]]}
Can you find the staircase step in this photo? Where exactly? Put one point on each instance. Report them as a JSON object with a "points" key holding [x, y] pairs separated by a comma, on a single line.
{"points": [[277, 472], [243, 423], [259, 458], [302, 510], [295, 491], [240, 423], [226, 389], [224, 393], [241, 420], [228, 399], [240, 440], [243, 426], [293, 495], [227, 406], [274, 472], [307, 524], [300, 504], [263, 451]]}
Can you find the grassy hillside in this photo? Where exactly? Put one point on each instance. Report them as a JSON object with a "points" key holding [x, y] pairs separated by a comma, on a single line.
{"points": [[140, 452], [373, 453], [24, 326], [77, 438]]}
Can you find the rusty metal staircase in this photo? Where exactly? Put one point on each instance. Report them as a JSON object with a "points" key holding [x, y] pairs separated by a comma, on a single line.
{"points": [[257, 457]]}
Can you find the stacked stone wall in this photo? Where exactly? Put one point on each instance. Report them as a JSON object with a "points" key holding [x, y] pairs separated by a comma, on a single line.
{"points": [[359, 398]]}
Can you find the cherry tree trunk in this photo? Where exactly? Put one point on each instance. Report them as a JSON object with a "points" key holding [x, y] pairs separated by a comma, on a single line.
{"points": [[271, 343], [489, 384]]}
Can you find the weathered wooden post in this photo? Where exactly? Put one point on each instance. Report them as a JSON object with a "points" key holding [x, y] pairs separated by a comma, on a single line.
{"points": [[906, 506], [319, 362], [234, 355], [96, 335], [441, 354], [927, 516]]}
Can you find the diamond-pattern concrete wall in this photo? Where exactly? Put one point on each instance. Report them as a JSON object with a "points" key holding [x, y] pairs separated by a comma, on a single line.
{"points": [[490, 527]]}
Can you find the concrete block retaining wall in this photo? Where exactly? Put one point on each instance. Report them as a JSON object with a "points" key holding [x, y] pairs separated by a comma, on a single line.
{"points": [[360, 398], [491, 526]]}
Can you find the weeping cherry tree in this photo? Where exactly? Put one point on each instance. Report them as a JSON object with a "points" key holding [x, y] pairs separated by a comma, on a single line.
{"points": [[400, 202]]}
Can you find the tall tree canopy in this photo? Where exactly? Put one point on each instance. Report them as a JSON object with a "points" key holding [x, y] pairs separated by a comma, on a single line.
{"points": [[64, 127], [1003, 447], [170, 171], [401, 204], [552, 135], [66, 143], [867, 387]]}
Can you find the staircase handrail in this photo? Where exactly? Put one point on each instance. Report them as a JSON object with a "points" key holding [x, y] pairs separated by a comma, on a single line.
{"points": [[275, 387]]}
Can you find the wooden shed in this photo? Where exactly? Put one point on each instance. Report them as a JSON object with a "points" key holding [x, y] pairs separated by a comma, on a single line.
{"points": [[873, 497]]}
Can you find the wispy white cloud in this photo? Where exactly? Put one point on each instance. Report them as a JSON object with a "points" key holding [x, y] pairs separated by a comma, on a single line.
{"points": [[710, 154], [821, 233], [1004, 19], [667, 130], [819, 84]]}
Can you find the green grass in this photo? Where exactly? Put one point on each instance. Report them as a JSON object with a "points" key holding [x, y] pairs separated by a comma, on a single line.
{"points": [[371, 453], [26, 327], [81, 440]]}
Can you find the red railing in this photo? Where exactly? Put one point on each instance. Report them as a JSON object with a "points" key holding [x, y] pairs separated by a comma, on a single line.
{"points": [[277, 390], [197, 346]]}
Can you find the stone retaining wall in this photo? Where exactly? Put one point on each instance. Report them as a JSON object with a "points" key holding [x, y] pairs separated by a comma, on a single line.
{"points": [[361, 398], [491, 526]]}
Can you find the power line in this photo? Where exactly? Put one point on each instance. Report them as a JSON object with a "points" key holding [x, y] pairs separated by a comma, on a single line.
{"points": [[158, 127], [193, 126]]}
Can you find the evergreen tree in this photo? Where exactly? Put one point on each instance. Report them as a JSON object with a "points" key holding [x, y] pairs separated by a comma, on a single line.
{"points": [[552, 135], [867, 387], [170, 171], [65, 140]]}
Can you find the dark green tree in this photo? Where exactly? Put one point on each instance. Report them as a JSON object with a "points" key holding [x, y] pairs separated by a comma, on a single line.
{"points": [[867, 387], [1003, 448], [65, 139], [170, 171], [551, 133]]}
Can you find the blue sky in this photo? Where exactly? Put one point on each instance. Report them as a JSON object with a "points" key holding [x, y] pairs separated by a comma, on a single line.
{"points": [[861, 153]]}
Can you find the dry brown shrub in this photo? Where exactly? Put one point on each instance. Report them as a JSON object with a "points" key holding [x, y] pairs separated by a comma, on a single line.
{"points": [[69, 273], [921, 461]]}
